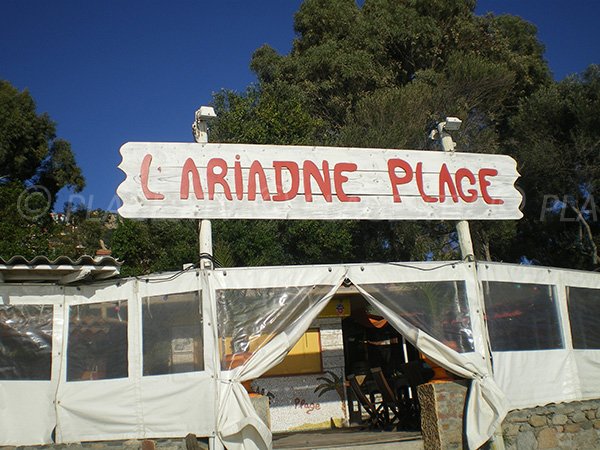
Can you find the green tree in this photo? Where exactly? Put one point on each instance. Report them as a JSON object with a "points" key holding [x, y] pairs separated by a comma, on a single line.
{"points": [[80, 232], [18, 235], [34, 166], [147, 246], [277, 114], [344, 52], [556, 139], [29, 150], [470, 87], [23, 233], [381, 75]]}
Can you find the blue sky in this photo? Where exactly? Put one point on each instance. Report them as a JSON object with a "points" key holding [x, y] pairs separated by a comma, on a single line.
{"points": [[114, 71]]}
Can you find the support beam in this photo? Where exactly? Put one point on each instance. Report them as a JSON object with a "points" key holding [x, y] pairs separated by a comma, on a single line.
{"points": [[466, 250], [200, 131], [462, 228], [206, 248]]}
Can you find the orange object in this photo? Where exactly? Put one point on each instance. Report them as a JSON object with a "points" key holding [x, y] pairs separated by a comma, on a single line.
{"points": [[439, 373], [234, 360]]}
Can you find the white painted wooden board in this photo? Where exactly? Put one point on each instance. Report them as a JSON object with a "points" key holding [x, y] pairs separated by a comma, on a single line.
{"points": [[212, 181]]}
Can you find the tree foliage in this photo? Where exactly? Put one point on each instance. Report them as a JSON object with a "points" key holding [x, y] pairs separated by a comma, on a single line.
{"points": [[75, 234], [29, 150], [34, 166], [147, 246], [381, 75], [18, 236], [276, 114], [344, 52], [556, 139]]}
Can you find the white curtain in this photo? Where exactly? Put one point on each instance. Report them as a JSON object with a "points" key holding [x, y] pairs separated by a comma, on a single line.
{"points": [[294, 298], [487, 405], [30, 321], [535, 315]]}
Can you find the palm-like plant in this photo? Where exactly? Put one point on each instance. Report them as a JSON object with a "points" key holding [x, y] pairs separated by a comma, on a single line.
{"points": [[334, 383]]}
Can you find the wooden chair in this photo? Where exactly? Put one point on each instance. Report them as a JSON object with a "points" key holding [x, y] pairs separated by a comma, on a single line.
{"points": [[390, 401], [413, 371], [376, 415]]}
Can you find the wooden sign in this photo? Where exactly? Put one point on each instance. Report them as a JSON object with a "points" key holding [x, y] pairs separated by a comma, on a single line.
{"points": [[239, 181]]}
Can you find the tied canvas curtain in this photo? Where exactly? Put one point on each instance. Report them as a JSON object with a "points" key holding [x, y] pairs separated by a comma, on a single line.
{"points": [[448, 320], [261, 314]]}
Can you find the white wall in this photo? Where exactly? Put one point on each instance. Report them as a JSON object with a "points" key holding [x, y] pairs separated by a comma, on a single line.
{"points": [[294, 404]]}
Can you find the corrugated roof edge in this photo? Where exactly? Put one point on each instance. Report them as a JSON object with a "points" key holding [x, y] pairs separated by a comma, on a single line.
{"points": [[85, 260]]}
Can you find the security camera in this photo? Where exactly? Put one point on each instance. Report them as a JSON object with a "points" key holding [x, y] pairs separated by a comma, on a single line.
{"points": [[452, 123], [200, 125], [206, 112]]}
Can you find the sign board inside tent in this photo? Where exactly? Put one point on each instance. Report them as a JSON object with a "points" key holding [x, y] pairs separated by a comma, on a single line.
{"points": [[239, 181]]}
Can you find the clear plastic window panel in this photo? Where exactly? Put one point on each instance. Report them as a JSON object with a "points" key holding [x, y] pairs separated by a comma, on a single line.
{"points": [[439, 308], [25, 342], [97, 345], [584, 313], [250, 318], [522, 316], [172, 334]]}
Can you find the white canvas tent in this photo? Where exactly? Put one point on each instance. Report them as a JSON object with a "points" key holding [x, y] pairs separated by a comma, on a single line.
{"points": [[550, 354], [157, 356]]}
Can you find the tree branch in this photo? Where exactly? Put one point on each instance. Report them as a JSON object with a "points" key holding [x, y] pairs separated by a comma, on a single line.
{"points": [[589, 234]]}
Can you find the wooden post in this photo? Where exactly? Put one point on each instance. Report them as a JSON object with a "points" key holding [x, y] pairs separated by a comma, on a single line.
{"points": [[462, 227], [468, 254], [200, 131]]}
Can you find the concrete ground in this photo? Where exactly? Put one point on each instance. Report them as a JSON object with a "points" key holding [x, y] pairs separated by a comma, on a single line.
{"points": [[349, 439]]}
